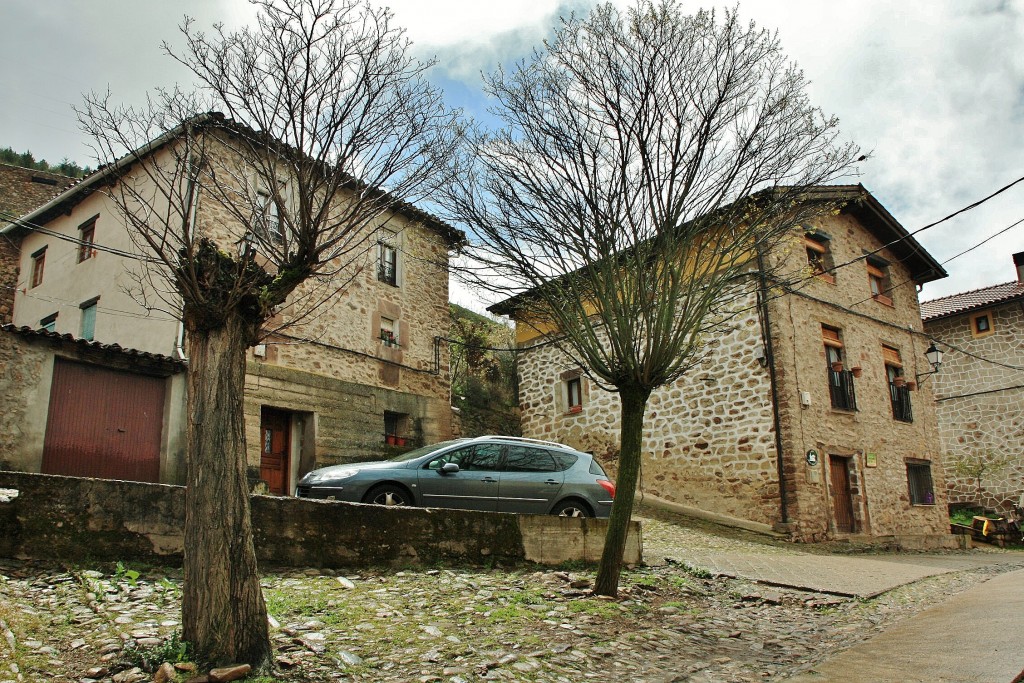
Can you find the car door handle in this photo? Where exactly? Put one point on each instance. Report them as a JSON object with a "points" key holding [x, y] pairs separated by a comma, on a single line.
{"points": [[490, 479], [553, 482]]}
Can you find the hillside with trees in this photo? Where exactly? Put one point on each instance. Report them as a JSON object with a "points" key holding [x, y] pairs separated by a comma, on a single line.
{"points": [[27, 160], [483, 367]]}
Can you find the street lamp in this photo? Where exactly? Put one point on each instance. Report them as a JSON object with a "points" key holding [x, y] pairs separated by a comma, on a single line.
{"points": [[934, 356]]}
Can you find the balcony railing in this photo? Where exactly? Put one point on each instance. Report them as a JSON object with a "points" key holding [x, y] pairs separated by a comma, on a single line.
{"points": [[840, 386], [387, 272], [900, 396]]}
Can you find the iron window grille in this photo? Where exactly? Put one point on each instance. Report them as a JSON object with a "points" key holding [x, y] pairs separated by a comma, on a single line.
{"points": [[840, 386], [900, 398], [919, 482]]}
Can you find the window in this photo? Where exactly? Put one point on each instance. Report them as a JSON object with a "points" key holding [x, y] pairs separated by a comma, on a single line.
{"points": [[38, 263], [86, 239], [981, 324], [899, 392], [878, 280], [387, 260], [840, 380], [88, 327], [526, 459], [574, 394], [269, 224], [484, 457], [396, 427], [919, 482], [819, 256], [49, 323], [388, 332]]}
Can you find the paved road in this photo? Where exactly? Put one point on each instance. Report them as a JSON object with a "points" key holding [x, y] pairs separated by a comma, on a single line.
{"points": [[974, 637], [853, 576]]}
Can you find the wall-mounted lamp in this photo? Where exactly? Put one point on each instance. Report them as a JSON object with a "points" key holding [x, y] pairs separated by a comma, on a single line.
{"points": [[934, 356], [760, 357]]}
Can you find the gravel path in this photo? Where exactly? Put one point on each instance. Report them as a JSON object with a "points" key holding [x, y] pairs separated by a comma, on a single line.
{"points": [[673, 622]]}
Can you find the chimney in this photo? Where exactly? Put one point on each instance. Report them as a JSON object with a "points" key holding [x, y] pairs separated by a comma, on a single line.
{"points": [[1018, 260]]}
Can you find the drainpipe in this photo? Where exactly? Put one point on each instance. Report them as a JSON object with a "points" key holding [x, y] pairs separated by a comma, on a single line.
{"points": [[769, 354]]}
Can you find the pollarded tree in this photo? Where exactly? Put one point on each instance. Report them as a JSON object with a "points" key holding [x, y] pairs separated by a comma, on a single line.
{"points": [[647, 158], [257, 215]]}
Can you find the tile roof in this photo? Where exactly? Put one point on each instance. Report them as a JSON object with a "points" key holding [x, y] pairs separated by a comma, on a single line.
{"points": [[972, 300], [174, 364]]}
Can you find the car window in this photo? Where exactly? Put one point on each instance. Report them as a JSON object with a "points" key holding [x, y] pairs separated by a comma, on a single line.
{"points": [[564, 461], [486, 456], [524, 459], [595, 468], [459, 456]]}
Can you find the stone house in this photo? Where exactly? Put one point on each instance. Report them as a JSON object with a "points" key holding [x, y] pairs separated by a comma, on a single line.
{"points": [[366, 376], [21, 190], [980, 390], [771, 431]]}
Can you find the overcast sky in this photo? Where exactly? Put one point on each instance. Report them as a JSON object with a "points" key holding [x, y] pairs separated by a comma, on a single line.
{"points": [[933, 88]]}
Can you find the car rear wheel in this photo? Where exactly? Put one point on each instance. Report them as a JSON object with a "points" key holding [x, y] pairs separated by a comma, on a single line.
{"points": [[572, 508], [388, 494]]}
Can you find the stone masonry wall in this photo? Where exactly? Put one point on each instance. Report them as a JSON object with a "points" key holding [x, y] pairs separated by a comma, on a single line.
{"points": [[73, 519], [708, 438], [21, 190], [981, 405], [877, 446], [24, 396]]}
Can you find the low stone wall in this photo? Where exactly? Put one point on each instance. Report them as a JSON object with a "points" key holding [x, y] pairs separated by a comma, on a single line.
{"points": [[68, 518]]}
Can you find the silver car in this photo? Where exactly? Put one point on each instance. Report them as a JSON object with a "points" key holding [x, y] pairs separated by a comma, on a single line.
{"points": [[493, 473]]}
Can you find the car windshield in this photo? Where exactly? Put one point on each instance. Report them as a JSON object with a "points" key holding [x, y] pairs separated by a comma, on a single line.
{"points": [[412, 455]]}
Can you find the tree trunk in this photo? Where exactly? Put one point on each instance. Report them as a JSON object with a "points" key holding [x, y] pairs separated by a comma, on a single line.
{"points": [[224, 616], [634, 403]]}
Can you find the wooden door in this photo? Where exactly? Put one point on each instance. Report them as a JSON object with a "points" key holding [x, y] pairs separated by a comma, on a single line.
{"points": [[842, 497], [103, 423], [274, 462]]}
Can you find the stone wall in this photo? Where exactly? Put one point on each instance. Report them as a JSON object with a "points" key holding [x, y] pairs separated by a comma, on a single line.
{"points": [[21, 190], [708, 438], [25, 372], [72, 519], [877, 445], [981, 405]]}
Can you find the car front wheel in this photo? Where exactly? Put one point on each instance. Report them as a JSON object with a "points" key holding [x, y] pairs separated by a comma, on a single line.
{"points": [[388, 495], [572, 508]]}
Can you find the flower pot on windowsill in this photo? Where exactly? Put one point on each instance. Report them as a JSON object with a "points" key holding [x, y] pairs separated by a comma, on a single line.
{"points": [[837, 367], [857, 371], [576, 409], [911, 386], [390, 439], [900, 382], [399, 440]]}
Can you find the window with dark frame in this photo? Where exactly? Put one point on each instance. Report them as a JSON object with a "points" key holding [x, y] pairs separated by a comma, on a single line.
{"points": [[38, 265], [88, 324], [574, 394], [899, 391], [819, 256], [86, 240], [919, 482], [981, 324], [49, 323], [840, 380], [878, 281]]}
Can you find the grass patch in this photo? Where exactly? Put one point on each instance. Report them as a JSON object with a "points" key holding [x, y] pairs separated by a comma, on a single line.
{"points": [[172, 650]]}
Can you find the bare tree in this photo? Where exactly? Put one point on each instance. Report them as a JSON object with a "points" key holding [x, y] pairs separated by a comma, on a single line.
{"points": [[253, 217], [647, 158]]}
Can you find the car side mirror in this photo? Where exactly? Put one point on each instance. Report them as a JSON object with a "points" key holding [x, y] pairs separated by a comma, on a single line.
{"points": [[449, 468]]}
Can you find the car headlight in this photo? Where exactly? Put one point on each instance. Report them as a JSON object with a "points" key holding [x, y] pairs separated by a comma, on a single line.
{"points": [[320, 476]]}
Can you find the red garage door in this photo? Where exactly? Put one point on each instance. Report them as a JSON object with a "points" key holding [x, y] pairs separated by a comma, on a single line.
{"points": [[103, 423]]}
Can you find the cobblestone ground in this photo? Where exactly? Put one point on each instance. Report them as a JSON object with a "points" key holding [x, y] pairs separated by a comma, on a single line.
{"points": [[672, 622]]}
